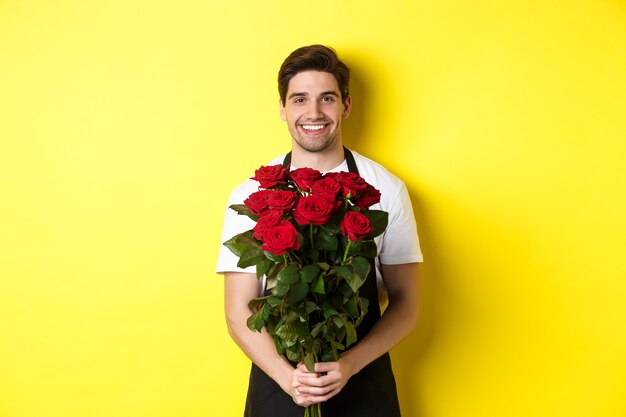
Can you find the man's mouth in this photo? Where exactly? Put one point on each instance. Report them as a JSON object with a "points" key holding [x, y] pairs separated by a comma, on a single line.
{"points": [[313, 128]]}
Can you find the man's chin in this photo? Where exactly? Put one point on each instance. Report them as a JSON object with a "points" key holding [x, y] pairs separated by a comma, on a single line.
{"points": [[314, 144]]}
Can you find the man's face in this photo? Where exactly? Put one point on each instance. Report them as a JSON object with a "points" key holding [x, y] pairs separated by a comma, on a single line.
{"points": [[313, 110]]}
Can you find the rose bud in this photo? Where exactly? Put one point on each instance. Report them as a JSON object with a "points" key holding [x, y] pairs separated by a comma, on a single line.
{"points": [[257, 202], [305, 177], [281, 239], [351, 183], [368, 197], [313, 209], [281, 200], [270, 176], [327, 185], [271, 219], [356, 226]]}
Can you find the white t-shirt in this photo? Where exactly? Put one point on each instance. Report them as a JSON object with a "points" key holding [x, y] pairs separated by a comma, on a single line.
{"points": [[399, 243]]}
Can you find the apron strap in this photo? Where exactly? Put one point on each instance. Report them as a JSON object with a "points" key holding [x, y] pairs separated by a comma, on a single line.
{"points": [[346, 153]]}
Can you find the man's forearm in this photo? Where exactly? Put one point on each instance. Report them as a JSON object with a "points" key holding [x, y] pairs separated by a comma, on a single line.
{"points": [[239, 289], [259, 347], [389, 330], [398, 320]]}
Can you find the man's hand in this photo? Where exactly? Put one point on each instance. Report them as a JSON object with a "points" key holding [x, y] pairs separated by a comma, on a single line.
{"points": [[327, 381]]}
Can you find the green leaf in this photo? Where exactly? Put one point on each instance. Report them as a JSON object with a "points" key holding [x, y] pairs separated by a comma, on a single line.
{"points": [[273, 301], [338, 322], [291, 332], [345, 271], [368, 249], [328, 243], [379, 221], [319, 327], [279, 348], [353, 279], [256, 303], [323, 266], [251, 256], [309, 361], [310, 306], [350, 307], [280, 290], [274, 258], [330, 229], [337, 345], [270, 283], [350, 333], [263, 266], [364, 304], [329, 311], [265, 312], [241, 242], [297, 292], [243, 210], [255, 322], [361, 266], [293, 356], [289, 274], [309, 273], [318, 285]]}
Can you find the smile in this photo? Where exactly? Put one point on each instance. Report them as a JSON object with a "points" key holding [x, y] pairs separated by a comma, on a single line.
{"points": [[313, 128]]}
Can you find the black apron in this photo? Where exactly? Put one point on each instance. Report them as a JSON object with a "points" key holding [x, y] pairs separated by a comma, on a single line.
{"points": [[369, 393]]}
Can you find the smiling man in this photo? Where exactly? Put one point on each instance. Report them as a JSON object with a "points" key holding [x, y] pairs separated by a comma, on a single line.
{"points": [[314, 94]]}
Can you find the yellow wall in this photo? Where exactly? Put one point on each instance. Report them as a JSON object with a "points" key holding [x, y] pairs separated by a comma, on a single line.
{"points": [[124, 124]]}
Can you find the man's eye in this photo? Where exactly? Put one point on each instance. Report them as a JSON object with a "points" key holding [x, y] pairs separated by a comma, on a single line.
{"points": [[298, 100], [328, 99]]}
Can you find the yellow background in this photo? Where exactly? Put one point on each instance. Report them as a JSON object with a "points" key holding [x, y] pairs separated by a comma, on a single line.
{"points": [[125, 124]]}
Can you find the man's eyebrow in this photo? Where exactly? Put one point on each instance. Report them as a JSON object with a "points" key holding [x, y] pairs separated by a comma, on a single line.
{"points": [[298, 94], [303, 94]]}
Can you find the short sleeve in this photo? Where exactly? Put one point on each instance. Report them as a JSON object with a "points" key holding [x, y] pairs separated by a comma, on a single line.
{"points": [[233, 225], [400, 243]]}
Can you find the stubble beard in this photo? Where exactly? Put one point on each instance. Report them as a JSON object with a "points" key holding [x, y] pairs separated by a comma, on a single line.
{"points": [[314, 144]]}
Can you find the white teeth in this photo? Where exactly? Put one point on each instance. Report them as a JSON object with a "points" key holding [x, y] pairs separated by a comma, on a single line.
{"points": [[313, 127]]}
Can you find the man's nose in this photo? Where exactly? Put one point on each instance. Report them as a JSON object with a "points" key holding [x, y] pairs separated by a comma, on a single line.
{"points": [[315, 110]]}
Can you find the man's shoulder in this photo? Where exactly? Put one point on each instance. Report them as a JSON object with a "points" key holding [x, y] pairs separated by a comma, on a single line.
{"points": [[374, 172]]}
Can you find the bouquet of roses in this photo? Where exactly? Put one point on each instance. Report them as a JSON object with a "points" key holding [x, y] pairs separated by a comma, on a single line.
{"points": [[313, 242]]}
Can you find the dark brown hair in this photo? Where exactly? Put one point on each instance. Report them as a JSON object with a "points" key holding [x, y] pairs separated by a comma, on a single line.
{"points": [[315, 58]]}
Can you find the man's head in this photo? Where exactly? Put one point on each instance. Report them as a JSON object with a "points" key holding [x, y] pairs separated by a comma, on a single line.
{"points": [[313, 84], [313, 58]]}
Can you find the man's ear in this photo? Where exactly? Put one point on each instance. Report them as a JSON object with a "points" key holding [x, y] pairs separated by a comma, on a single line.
{"points": [[283, 115], [347, 105]]}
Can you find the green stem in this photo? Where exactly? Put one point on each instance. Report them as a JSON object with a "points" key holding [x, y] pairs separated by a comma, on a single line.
{"points": [[311, 233], [345, 254], [285, 258]]}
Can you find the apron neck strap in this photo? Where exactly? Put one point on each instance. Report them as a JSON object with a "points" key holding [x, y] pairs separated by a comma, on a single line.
{"points": [[346, 153]]}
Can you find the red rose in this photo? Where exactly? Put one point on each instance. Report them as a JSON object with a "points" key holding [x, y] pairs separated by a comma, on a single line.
{"points": [[326, 186], [313, 209], [305, 177], [257, 202], [351, 183], [268, 221], [281, 200], [368, 197], [356, 226], [280, 239], [270, 176]]}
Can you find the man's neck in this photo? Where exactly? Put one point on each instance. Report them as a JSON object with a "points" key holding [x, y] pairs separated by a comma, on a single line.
{"points": [[322, 161]]}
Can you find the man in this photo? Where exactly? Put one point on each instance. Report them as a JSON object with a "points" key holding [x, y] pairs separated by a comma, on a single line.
{"points": [[314, 101]]}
